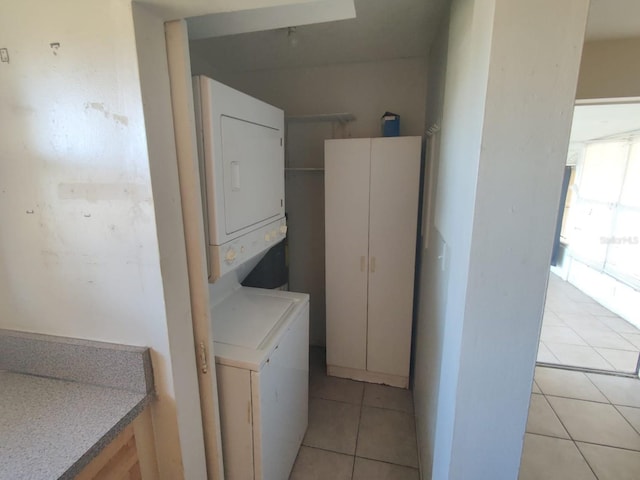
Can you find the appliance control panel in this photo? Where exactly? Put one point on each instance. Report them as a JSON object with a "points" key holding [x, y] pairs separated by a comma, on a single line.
{"points": [[229, 256]]}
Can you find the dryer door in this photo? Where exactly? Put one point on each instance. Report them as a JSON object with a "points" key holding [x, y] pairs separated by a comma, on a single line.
{"points": [[253, 173]]}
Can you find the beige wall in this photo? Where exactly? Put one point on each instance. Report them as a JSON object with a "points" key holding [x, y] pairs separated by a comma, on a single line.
{"points": [[502, 147], [79, 249], [609, 69]]}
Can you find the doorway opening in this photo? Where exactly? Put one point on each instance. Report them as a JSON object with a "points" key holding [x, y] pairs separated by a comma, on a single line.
{"points": [[592, 311]]}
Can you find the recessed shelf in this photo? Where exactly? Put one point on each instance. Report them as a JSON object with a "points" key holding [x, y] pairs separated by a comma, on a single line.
{"points": [[322, 117]]}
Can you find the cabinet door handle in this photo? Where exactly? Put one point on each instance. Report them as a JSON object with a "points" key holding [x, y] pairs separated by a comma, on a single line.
{"points": [[363, 263], [373, 264]]}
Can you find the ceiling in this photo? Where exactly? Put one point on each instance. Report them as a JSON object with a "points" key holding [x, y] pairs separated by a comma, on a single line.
{"points": [[383, 29], [597, 121], [609, 19]]}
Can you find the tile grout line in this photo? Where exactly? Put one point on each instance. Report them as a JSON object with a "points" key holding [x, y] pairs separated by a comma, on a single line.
{"points": [[580, 441], [355, 449], [623, 416], [378, 460], [362, 404], [571, 436]]}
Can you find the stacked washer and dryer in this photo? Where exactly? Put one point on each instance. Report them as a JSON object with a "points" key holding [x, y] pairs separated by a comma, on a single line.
{"points": [[260, 336]]}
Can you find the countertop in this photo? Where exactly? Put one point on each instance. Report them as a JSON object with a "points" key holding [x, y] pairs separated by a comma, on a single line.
{"points": [[62, 400], [50, 428]]}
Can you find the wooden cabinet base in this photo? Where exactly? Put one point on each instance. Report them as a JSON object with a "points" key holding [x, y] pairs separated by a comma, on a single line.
{"points": [[129, 456], [370, 377]]}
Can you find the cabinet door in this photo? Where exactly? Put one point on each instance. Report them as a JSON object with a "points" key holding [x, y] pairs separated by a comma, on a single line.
{"points": [[346, 196], [236, 422], [395, 176]]}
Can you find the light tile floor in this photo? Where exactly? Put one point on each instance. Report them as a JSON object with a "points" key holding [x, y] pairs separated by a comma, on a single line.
{"points": [[357, 431], [582, 427], [579, 332]]}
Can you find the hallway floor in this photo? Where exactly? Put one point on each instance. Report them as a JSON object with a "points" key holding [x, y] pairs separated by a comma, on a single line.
{"points": [[579, 332], [580, 427], [356, 430]]}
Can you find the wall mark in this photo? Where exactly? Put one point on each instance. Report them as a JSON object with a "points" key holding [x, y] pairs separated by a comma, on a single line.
{"points": [[4, 55], [123, 119], [99, 107]]}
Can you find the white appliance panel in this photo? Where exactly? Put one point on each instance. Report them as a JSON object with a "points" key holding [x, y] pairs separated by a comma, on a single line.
{"points": [[234, 397], [263, 390], [253, 173], [247, 317], [280, 403], [241, 155], [243, 158]]}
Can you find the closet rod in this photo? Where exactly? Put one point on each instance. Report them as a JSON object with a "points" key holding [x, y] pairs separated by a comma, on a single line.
{"points": [[303, 169]]}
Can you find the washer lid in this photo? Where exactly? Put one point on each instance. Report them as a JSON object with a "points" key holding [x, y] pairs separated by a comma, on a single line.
{"points": [[248, 317]]}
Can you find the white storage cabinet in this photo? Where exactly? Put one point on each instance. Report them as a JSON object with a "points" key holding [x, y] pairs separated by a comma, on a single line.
{"points": [[371, 212]]}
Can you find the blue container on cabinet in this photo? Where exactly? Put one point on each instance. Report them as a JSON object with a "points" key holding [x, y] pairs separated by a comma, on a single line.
{"points": [[390, 124]]}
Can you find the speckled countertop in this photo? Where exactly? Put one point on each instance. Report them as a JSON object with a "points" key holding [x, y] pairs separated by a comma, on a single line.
{"points": [[51, 429], [62, 400]]}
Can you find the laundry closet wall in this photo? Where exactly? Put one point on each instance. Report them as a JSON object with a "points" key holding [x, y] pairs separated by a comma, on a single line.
{"points": [[366, 90]]}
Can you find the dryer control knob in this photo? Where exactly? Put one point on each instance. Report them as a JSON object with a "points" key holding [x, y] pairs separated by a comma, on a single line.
{"points": [[267, 237], [230, 256]]}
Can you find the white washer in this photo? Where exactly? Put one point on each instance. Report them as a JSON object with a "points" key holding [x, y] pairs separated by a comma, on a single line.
{"points": [[262, 364]]}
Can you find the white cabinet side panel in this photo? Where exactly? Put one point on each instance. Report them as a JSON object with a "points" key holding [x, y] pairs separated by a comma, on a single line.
{"points": [[280, 403], [395, 176], [234, 396], [346, 246]]}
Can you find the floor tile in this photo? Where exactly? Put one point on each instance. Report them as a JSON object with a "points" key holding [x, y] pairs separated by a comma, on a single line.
{"points": [[618, 324], [392, 398], [622, 360], [545, 355], [600, 338], [619, 390], [568, 307], [334, 388], [542, 420], [550, 318], [632, 415], [557, 334], [612, 463], [547, 458], [566, 383], [595, 308], [578, 356], [315, 464], [574, 294], [332, 425], [633, 338], [387, 435], [366, 469], [595, 423], [579, 321], [535, 388]]}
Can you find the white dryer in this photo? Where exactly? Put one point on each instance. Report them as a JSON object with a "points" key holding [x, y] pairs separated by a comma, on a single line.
{"points": [[261, 340]]}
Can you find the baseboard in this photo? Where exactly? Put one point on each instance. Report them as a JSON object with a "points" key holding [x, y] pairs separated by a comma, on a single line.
{"points": [[370, 377]]}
